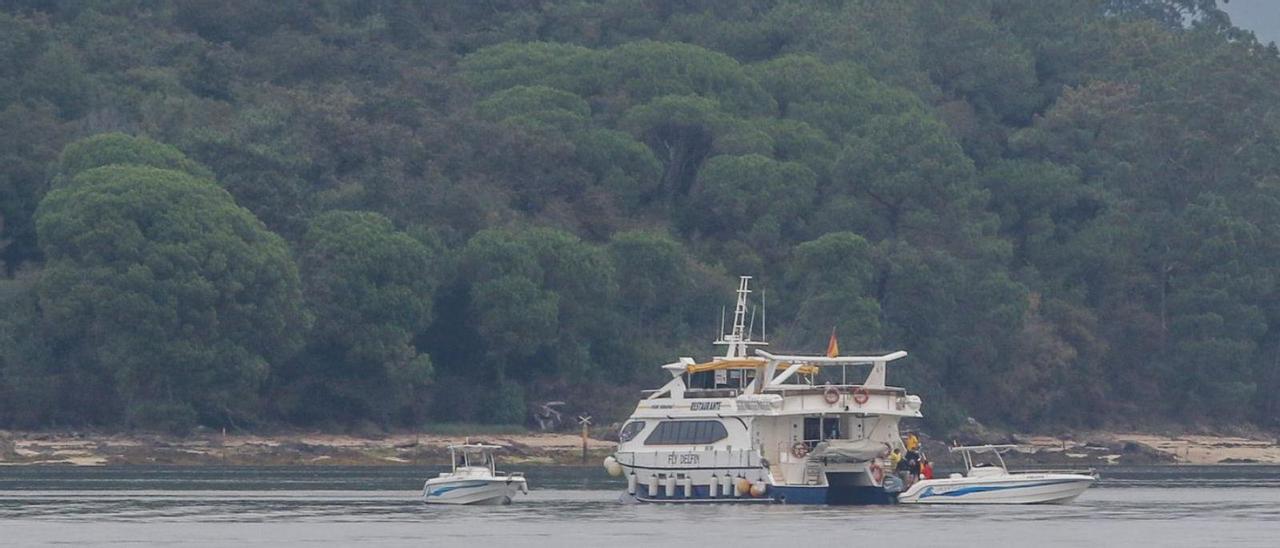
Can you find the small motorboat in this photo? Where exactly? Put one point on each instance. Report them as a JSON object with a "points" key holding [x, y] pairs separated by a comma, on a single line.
{"points": [[993, 483], [474, 479]]}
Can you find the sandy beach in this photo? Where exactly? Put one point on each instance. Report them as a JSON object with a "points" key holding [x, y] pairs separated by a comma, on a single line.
{"points": [[88, 449], [96, 449]]}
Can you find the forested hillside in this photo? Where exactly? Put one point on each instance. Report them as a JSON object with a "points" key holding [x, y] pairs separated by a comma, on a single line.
{"points": [[332, 213]]}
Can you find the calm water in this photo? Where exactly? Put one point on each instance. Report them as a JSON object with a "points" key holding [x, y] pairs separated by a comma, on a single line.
{"points": [[1160, 506]]}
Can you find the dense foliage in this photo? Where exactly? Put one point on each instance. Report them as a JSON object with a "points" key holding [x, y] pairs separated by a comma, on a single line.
{"points": [[344, 212]]}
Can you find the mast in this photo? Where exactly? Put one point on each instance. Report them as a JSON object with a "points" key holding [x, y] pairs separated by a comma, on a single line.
{"points": [[739, 339]]}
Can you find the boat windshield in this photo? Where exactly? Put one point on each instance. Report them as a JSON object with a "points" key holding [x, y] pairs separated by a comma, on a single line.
{"points": [[970, 462], [472, 457]]}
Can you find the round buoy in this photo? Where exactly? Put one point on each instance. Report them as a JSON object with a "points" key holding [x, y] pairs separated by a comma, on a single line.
{"points": [[877, 473], [860, 395], [799, 450], [612, 467], [831, 395], [742, 487], [758, 489]]}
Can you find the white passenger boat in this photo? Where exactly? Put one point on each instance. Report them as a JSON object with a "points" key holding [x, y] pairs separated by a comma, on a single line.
{"points": [[993, 483], [474, 479], [765, 428]]}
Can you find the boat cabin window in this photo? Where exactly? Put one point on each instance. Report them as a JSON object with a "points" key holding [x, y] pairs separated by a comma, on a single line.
{"points": [[720, 379], [687, 433], [817, 429], [630, 430], [473, 458]]}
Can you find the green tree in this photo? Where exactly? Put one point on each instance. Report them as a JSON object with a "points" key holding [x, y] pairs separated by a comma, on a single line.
{"points": [[107, 149], [159, 283], [621, 165], [915, 178], [574, 69], [831, 287], [536, 106], [680, 130], [646, 70], [32, 140], [972, 57], [370, 289], [58, 76], [753, 194], [835, 97]]}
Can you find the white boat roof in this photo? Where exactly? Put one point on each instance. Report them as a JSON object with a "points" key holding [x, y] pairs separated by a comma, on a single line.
{"points": [[838, 360], [475, 447], [972, 448]]}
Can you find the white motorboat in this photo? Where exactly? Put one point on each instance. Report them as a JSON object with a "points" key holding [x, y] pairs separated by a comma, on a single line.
{"points": [[473, 479], [993, 483], [796, 429]]}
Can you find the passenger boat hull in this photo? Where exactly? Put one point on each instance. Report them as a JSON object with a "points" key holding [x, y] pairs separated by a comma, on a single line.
{"points": [[1010, 489], [777, 494], [700, 491], [834, 495], [495, 491]]}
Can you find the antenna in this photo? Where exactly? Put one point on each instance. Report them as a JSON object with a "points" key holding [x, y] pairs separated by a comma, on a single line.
{"points": [[764, 317], [721, 333], [751, 327]]}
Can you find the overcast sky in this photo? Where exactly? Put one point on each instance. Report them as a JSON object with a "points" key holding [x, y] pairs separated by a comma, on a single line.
{"points": [[1260, 16]]}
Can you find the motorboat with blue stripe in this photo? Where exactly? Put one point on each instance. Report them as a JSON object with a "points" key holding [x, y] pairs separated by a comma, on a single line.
{"points": [[473, 479], [765, 427], [993, 483]]}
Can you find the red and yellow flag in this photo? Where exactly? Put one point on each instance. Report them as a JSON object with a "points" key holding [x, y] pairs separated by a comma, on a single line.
{"points": [[833, 346]]}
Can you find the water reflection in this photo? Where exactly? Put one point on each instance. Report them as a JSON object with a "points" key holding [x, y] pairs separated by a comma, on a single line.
{"points": [[344, 506]]}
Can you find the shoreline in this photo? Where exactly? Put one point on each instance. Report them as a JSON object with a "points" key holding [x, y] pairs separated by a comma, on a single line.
{"points": [[18, 448], [295, 449]]}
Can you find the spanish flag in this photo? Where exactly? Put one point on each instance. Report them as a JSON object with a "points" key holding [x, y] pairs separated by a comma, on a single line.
{"points": [[833, 346]]}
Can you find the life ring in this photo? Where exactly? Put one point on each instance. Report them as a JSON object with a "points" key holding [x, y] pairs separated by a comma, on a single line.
{"points": [[877, 473], [799, 450], [831, 395], [860, 395]]}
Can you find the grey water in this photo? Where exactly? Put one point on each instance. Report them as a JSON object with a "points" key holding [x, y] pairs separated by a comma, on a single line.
{"points": [[577, 506]]}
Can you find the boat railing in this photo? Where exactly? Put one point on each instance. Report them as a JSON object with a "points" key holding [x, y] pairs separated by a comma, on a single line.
{"points": [[843, 388], [691, 393]]}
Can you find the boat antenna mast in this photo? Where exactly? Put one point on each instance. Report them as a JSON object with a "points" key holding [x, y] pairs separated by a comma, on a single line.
{"points": [[739, 339]]}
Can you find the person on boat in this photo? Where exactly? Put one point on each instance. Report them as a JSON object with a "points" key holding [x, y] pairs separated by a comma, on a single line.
{"points": [[926, 468], [894, 458], [903, 469], [912, 461]]}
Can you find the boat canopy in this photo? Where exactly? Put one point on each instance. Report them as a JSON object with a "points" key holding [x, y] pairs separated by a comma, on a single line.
{"points": [[739, 363], [474, 448], [982, 448], [734, 363], [794, 364]]}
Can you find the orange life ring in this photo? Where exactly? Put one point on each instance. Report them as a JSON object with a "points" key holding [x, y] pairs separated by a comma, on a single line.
{"points": [[877, 473], [860, 395], [831, 395], [799, 450]]}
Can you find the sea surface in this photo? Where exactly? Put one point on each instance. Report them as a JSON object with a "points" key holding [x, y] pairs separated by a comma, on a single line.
{"points": [[572, 506]]}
